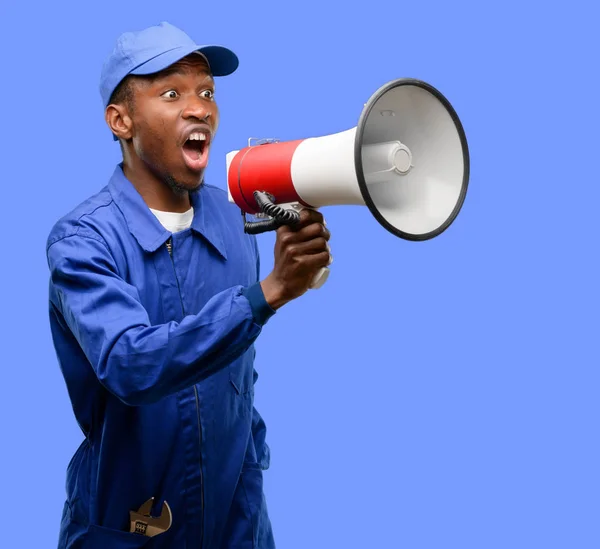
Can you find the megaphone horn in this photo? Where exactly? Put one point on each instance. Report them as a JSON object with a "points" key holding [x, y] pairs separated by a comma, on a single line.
{"points": [[407, 160]]}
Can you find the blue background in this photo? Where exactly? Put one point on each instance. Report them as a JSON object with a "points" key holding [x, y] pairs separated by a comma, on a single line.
{"points": [[431, 395]]}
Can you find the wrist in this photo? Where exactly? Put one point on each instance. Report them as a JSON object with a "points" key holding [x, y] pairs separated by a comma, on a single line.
{"points": [[261, 310], [273, 293]]}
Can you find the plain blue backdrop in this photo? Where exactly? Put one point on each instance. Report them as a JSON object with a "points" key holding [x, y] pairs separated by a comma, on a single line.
{"points": [[431, 395]]}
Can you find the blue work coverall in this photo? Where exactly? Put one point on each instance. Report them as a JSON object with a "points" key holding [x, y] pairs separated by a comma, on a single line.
{"points": [[154, 333]]}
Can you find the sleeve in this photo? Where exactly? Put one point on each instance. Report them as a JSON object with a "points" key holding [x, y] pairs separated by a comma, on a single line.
{"points": [[261, 310], [138, 362]]}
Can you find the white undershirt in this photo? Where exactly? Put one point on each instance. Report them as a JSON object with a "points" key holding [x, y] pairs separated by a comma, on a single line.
{"points": [[174, 221]]}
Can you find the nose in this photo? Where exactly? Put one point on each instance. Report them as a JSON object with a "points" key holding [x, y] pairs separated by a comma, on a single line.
{"points": [[198, 108]]}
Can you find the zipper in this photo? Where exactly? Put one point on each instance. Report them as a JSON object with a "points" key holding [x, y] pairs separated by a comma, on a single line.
{"points": [[169, 246], [201, 474]]}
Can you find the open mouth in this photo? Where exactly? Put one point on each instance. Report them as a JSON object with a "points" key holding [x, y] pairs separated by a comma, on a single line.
{"points": [[195, 150]]}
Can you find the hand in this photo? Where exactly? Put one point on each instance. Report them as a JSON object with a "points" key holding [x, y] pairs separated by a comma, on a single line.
{"points": [[300, 252]]}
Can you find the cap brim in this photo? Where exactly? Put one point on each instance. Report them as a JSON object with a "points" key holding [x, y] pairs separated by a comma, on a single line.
{"points": [[222, 60]]}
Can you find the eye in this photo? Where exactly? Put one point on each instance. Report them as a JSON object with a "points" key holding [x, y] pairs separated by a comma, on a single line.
{"points": [[208, 94], [171, 94]]}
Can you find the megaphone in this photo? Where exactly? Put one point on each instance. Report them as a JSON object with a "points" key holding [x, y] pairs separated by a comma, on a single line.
{"points": [[407, 160]]}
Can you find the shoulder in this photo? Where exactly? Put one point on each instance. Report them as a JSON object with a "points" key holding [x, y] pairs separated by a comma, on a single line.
{"points": [[84, 221]]}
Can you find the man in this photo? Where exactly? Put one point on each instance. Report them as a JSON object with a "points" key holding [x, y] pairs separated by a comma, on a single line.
{"points": [[155, 304]]}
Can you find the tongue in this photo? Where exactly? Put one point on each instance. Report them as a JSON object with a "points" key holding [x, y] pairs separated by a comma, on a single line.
{"points": [[193, 149], [195, 155]]}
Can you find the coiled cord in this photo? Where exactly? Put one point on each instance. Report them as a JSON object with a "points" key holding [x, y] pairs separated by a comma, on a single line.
{"points": [[287, 217], [279, 216], [258, 227]]}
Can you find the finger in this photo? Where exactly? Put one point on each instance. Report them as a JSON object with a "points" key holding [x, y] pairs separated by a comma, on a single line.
{"points": [[314, 230], [283, 229], [284, 233], [310, 247], [318, 261], [308, 216]]}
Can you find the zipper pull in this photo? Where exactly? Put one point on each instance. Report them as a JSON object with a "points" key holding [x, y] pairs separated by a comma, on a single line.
{"points": [[170, 246]]}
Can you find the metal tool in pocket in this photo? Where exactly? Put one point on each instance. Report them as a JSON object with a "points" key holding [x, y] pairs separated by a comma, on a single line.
{"points": [[142, 523]]}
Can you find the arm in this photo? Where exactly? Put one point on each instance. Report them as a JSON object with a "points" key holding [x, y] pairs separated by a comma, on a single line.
{"points": [[138, 362]]}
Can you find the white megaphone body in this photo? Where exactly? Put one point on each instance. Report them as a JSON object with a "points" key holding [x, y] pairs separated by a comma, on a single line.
{"points": [[407, 160]]}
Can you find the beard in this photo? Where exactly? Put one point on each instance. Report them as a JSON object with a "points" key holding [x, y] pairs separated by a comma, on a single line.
{"points": [[179, 188]]}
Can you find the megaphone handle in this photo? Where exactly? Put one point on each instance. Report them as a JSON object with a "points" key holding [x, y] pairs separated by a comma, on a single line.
{"points": [[270, 209], [320, 278]]}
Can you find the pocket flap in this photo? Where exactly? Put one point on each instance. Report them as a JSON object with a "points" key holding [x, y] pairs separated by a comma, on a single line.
{"points": [[100, 537]]}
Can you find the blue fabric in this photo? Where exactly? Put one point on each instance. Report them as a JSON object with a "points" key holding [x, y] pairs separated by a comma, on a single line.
{"points": [[157, 352]]}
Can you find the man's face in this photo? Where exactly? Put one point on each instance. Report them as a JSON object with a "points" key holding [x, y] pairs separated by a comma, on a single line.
{"points": [[174, 120]]}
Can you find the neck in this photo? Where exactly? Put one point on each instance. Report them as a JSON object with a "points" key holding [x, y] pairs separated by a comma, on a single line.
{"points": [[156, 193]]}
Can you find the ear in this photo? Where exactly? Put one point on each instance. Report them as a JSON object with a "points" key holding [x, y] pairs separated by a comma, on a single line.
{"points": [[118, 120]]}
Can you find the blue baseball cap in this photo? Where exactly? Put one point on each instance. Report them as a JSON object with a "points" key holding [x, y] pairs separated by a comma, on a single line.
{"points": [[155, 48]]}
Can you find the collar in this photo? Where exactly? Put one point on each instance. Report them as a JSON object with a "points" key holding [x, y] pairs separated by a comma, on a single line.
{"points": [[147, 229]]}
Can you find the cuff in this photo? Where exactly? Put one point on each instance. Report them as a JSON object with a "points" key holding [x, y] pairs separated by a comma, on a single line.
{"points": [[261, 310]]}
